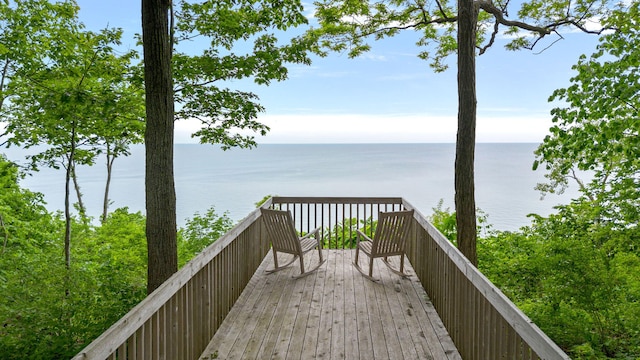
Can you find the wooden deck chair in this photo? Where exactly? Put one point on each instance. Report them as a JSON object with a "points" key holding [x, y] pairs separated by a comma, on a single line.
{"points": [[388, 240], [284, 239]]}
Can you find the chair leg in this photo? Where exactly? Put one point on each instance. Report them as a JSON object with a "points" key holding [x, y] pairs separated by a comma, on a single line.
{"points": [[401, 272], [304, 273], [362, 271], [277, 267]]}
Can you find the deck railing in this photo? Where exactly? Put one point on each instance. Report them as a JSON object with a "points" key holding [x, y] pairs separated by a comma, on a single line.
{"points": [[180, 317], [481, 320]]}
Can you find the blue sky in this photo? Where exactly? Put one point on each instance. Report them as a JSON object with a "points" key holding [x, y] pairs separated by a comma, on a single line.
{"points": [[389, 95]]}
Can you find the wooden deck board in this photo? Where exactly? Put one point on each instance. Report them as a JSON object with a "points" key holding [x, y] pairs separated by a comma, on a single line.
{"points": [[334, 313]]}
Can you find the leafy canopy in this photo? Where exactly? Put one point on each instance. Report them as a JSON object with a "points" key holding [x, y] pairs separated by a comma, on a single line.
{"points": [[348, 25], [598, 129], [26, 32], [240, 41], [84, 95]]}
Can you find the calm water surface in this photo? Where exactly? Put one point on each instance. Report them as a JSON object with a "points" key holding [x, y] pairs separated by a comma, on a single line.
{"points": [[235, 180]]}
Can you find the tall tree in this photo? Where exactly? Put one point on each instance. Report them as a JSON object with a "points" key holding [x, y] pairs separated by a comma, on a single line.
{"points": [[466, 138], [348, 25], [121, 109], [598, 129], [57, 105], [238, 41], [160, 191]]}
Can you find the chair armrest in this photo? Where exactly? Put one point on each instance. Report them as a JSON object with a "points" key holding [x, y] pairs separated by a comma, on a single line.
{"points": [[312, 232], [315, 232], [360, 233]]}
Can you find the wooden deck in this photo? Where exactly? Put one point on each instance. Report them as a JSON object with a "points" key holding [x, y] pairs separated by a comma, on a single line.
{"points": [[334, 313]]}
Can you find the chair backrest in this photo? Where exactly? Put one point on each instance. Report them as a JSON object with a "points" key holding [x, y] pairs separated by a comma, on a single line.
{"points": [[279, 225], [391, 232]]}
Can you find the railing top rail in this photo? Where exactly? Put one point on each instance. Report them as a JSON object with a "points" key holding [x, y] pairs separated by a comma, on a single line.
{"points": [[106, 343], [336, 200], [527, 329]]}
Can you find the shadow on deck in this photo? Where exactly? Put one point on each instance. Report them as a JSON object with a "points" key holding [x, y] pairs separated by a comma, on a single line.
{"points": [[334, 313]]}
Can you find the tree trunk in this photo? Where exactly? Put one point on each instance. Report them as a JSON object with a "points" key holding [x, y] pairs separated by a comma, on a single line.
{"points": [[3, 79], [105, 202], [465, 143], [76, 186], [67, 210], [6, 235], [159, 182], [67, 200]]}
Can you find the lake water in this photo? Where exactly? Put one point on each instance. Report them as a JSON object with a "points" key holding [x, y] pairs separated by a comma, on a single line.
{"points": [[235, 180]]}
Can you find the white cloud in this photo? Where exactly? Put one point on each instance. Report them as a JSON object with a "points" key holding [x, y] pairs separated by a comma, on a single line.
{"points": [[296, 71], [333, 74], [309, 11], [512, 129], [374, 57], [391, 128], [404, 77]]}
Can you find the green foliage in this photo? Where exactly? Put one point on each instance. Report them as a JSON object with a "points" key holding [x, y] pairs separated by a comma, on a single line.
{"points": [[19, 208], [343, 235], [575, 272], [445, 221], [575, 276], [242, 43], [263, 200], [200, 232], [26, 30], [108, 273], [75, 95], [572, 273], [49, 312], [84, 99], [348, 26], [599, 129]]}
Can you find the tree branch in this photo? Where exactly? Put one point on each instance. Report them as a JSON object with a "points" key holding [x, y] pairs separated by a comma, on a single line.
{"points": [[560, 37], [487, 5], [444, 14], [496, 27], [581, 186], [5, 72], [6, 235], [204, 83], [444, 20]]}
